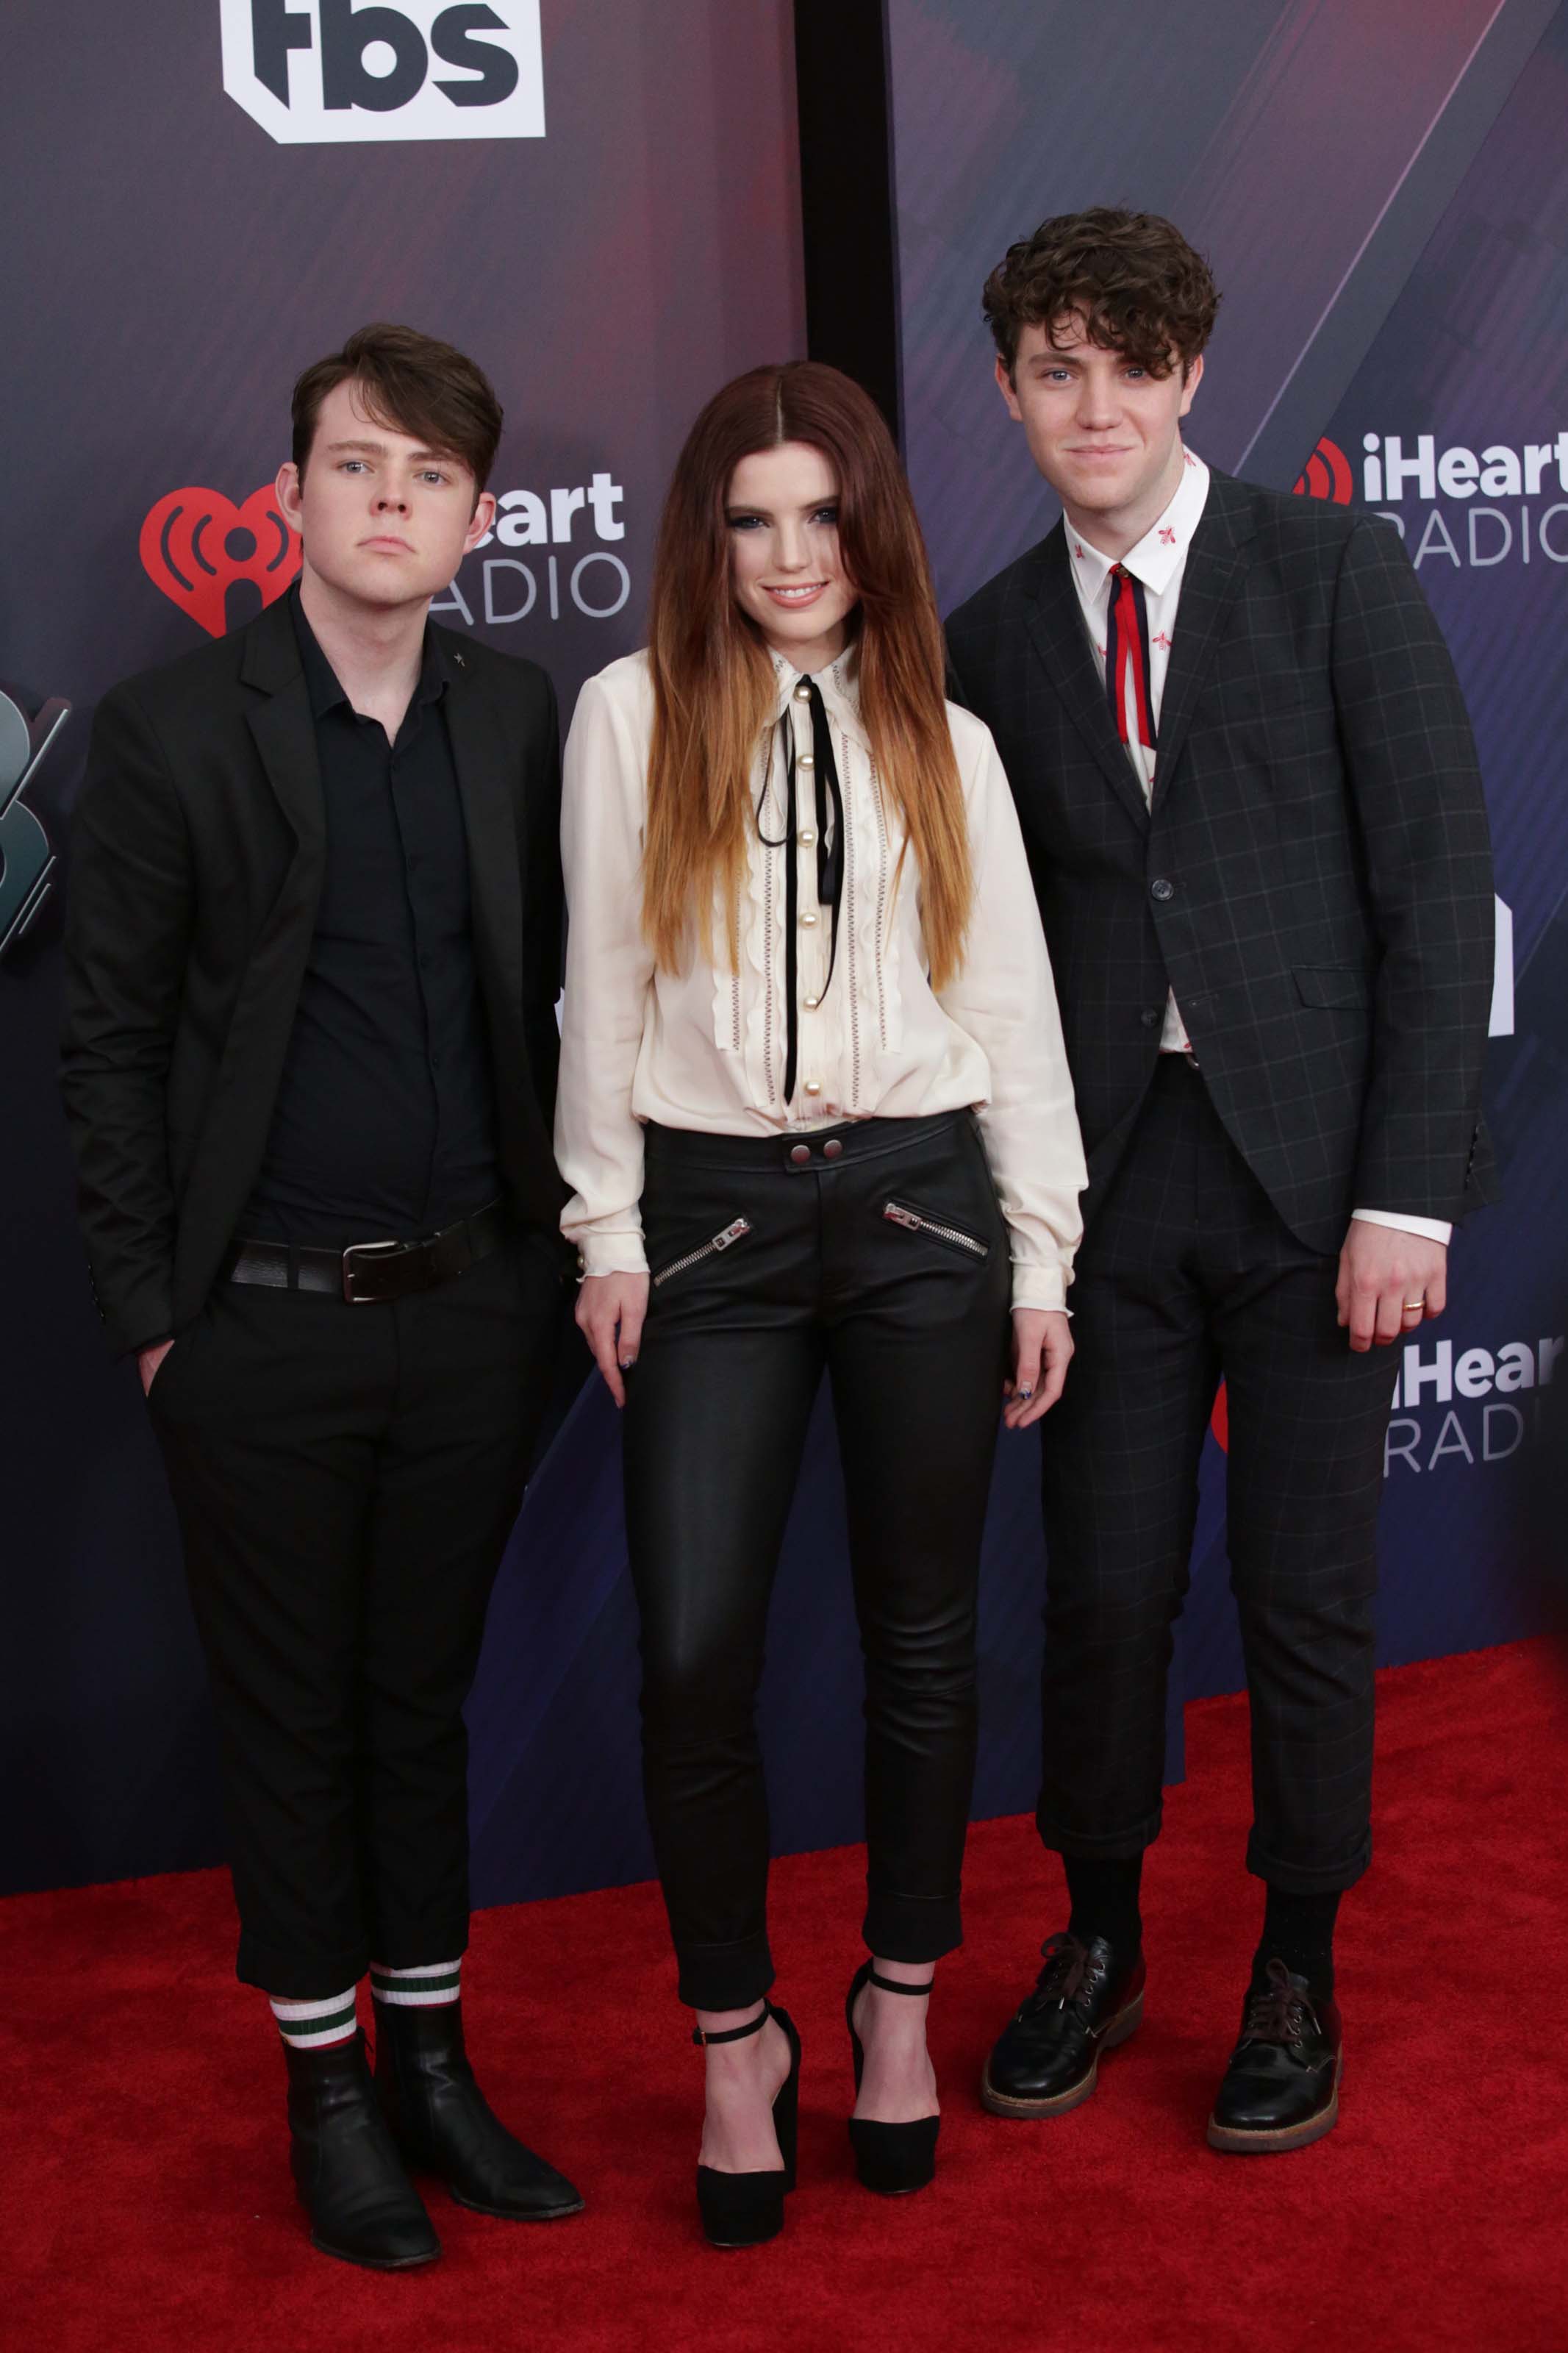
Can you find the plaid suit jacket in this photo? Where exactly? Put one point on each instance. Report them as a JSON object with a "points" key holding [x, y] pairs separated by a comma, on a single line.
{"points": [[1314, 877]]}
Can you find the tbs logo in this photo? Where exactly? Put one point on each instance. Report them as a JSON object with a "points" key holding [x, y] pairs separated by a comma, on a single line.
{"points": [[321, 70]]}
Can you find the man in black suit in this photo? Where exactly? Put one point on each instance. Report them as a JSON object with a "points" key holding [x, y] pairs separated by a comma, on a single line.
{"points": [[314, 942], [1250, 795]]}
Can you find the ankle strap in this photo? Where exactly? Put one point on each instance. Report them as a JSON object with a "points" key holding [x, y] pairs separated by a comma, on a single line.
{"points": [[897, 1985], [737, 2033]]}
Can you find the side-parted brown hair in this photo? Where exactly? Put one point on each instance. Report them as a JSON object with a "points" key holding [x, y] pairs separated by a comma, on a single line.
{"points": [[714, 681], [408, 382], [1133, 277]]}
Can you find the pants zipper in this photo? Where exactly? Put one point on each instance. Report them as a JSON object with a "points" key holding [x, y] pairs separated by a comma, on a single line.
{"points": [[731, 1233], [901, 1216]]}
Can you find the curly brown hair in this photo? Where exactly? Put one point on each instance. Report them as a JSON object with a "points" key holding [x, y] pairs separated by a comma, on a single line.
{"points": [[1132, 279]]}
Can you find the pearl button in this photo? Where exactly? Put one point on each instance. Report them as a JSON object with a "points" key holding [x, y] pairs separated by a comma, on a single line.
{"points": [[807, 836], [805, 760], [808, 919], [803, 692], [814, 1086], [812, 1003]]}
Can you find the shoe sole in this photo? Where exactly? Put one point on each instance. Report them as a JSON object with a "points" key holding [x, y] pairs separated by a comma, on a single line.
{"points": [[1003, 2104], [511, 2213], [375, 2263], [1237, 2142]]}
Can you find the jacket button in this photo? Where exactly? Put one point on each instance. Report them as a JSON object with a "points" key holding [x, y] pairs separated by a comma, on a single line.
{"points": [[800, 1154], [1161, 890], [1149, 1015]]}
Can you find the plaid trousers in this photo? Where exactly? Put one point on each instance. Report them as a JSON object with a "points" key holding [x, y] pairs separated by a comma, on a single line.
{"points": [[1189, 1273]]}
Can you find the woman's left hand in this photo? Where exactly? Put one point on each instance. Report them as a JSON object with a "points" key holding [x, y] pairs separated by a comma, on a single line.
{"points": [[1042, 1348]]}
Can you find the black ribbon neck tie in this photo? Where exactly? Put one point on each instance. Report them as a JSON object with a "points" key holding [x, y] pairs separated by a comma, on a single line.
{"points": [[828, 809]]}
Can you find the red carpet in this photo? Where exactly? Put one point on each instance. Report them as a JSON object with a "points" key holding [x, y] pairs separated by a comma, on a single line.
{"points": [[148, 2203]]}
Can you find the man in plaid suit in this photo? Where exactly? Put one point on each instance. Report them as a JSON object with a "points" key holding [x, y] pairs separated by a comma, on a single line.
{"points": [[1250, 798]]}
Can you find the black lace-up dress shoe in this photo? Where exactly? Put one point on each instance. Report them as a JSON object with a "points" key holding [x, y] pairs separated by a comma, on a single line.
{"points": [[444, 2125], [1281, 2088], [1084, 2002]]}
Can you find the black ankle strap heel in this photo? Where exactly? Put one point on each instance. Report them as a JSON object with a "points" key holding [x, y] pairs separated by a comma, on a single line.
{"points": [[892, 2160], [746, 2210]]}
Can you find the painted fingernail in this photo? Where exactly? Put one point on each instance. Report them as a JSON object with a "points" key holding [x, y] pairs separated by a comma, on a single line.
{"points": [[627, 1364], [1025, 1391]]}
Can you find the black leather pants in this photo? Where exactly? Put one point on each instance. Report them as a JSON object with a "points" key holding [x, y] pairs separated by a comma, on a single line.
{"points": [[877, 1251]]}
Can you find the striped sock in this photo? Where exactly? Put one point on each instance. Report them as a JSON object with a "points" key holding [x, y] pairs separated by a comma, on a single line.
{"points": [[425, 1987], [313, 2025]]}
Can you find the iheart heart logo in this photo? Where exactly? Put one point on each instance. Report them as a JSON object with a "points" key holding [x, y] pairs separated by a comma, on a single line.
{"points": [[196, 543]]}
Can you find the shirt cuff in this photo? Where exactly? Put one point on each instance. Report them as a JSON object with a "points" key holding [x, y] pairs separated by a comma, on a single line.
{"points": [[610, 1253], [1040, 1286], [1431, 1230]]}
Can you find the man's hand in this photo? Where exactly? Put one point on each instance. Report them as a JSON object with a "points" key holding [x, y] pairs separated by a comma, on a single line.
{"points": [[1389, 1281], [610, 1310], [1042, 1345], [148, 1362]]}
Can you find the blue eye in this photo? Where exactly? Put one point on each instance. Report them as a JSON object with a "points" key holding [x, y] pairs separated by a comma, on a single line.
{"points": [[744, 522], [829, 516]]}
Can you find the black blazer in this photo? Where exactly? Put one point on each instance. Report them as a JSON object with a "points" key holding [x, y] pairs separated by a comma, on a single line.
{"points": [[197, 854], [1314, 879]]}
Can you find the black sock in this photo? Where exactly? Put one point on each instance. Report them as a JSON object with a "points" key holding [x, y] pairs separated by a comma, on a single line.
{"points": [[1299, 1931], [1105, 1903]]}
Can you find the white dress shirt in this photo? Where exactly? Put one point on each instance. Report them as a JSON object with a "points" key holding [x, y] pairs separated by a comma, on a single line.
{"points": [[1159, 562], [704, 1047]]}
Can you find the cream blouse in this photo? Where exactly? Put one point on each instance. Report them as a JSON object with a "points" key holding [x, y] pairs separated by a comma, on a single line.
{"points": [[705, 1047]]}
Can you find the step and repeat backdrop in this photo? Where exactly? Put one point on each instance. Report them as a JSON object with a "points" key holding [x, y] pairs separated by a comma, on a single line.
{"points": [[599, 200]]}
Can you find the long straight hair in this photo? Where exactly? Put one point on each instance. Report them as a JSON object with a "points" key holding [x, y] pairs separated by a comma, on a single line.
{"points": [[713, 680]]}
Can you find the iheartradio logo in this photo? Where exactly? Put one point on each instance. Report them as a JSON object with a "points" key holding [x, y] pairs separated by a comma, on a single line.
{"points": [[196, 544], [1327, 475]]}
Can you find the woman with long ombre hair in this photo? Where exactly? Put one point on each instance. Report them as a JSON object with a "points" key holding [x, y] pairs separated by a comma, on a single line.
{"points": [[815, 1113]]}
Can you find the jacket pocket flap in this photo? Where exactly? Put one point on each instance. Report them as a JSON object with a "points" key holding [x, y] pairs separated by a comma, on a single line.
{"points": [[1332, 986]]}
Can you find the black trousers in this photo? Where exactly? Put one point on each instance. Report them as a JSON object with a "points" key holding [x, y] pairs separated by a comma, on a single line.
{"points": [[911, 1326], [1188, 1273], [345, 1479]]}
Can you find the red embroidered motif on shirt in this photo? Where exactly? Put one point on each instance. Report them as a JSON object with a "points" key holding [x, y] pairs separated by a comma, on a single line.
{"points": [[1169, 537], [1077, 550], [1163, 640]]}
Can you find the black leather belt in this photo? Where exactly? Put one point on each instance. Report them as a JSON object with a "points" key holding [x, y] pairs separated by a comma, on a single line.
{"points": [[369, 1271]]}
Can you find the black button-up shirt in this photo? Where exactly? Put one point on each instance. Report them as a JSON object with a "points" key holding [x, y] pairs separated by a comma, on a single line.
{"points": [[385, 1120]]}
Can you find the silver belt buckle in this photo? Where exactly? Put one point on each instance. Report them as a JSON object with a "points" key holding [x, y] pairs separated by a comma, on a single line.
{"points": [[358, 1251]]}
